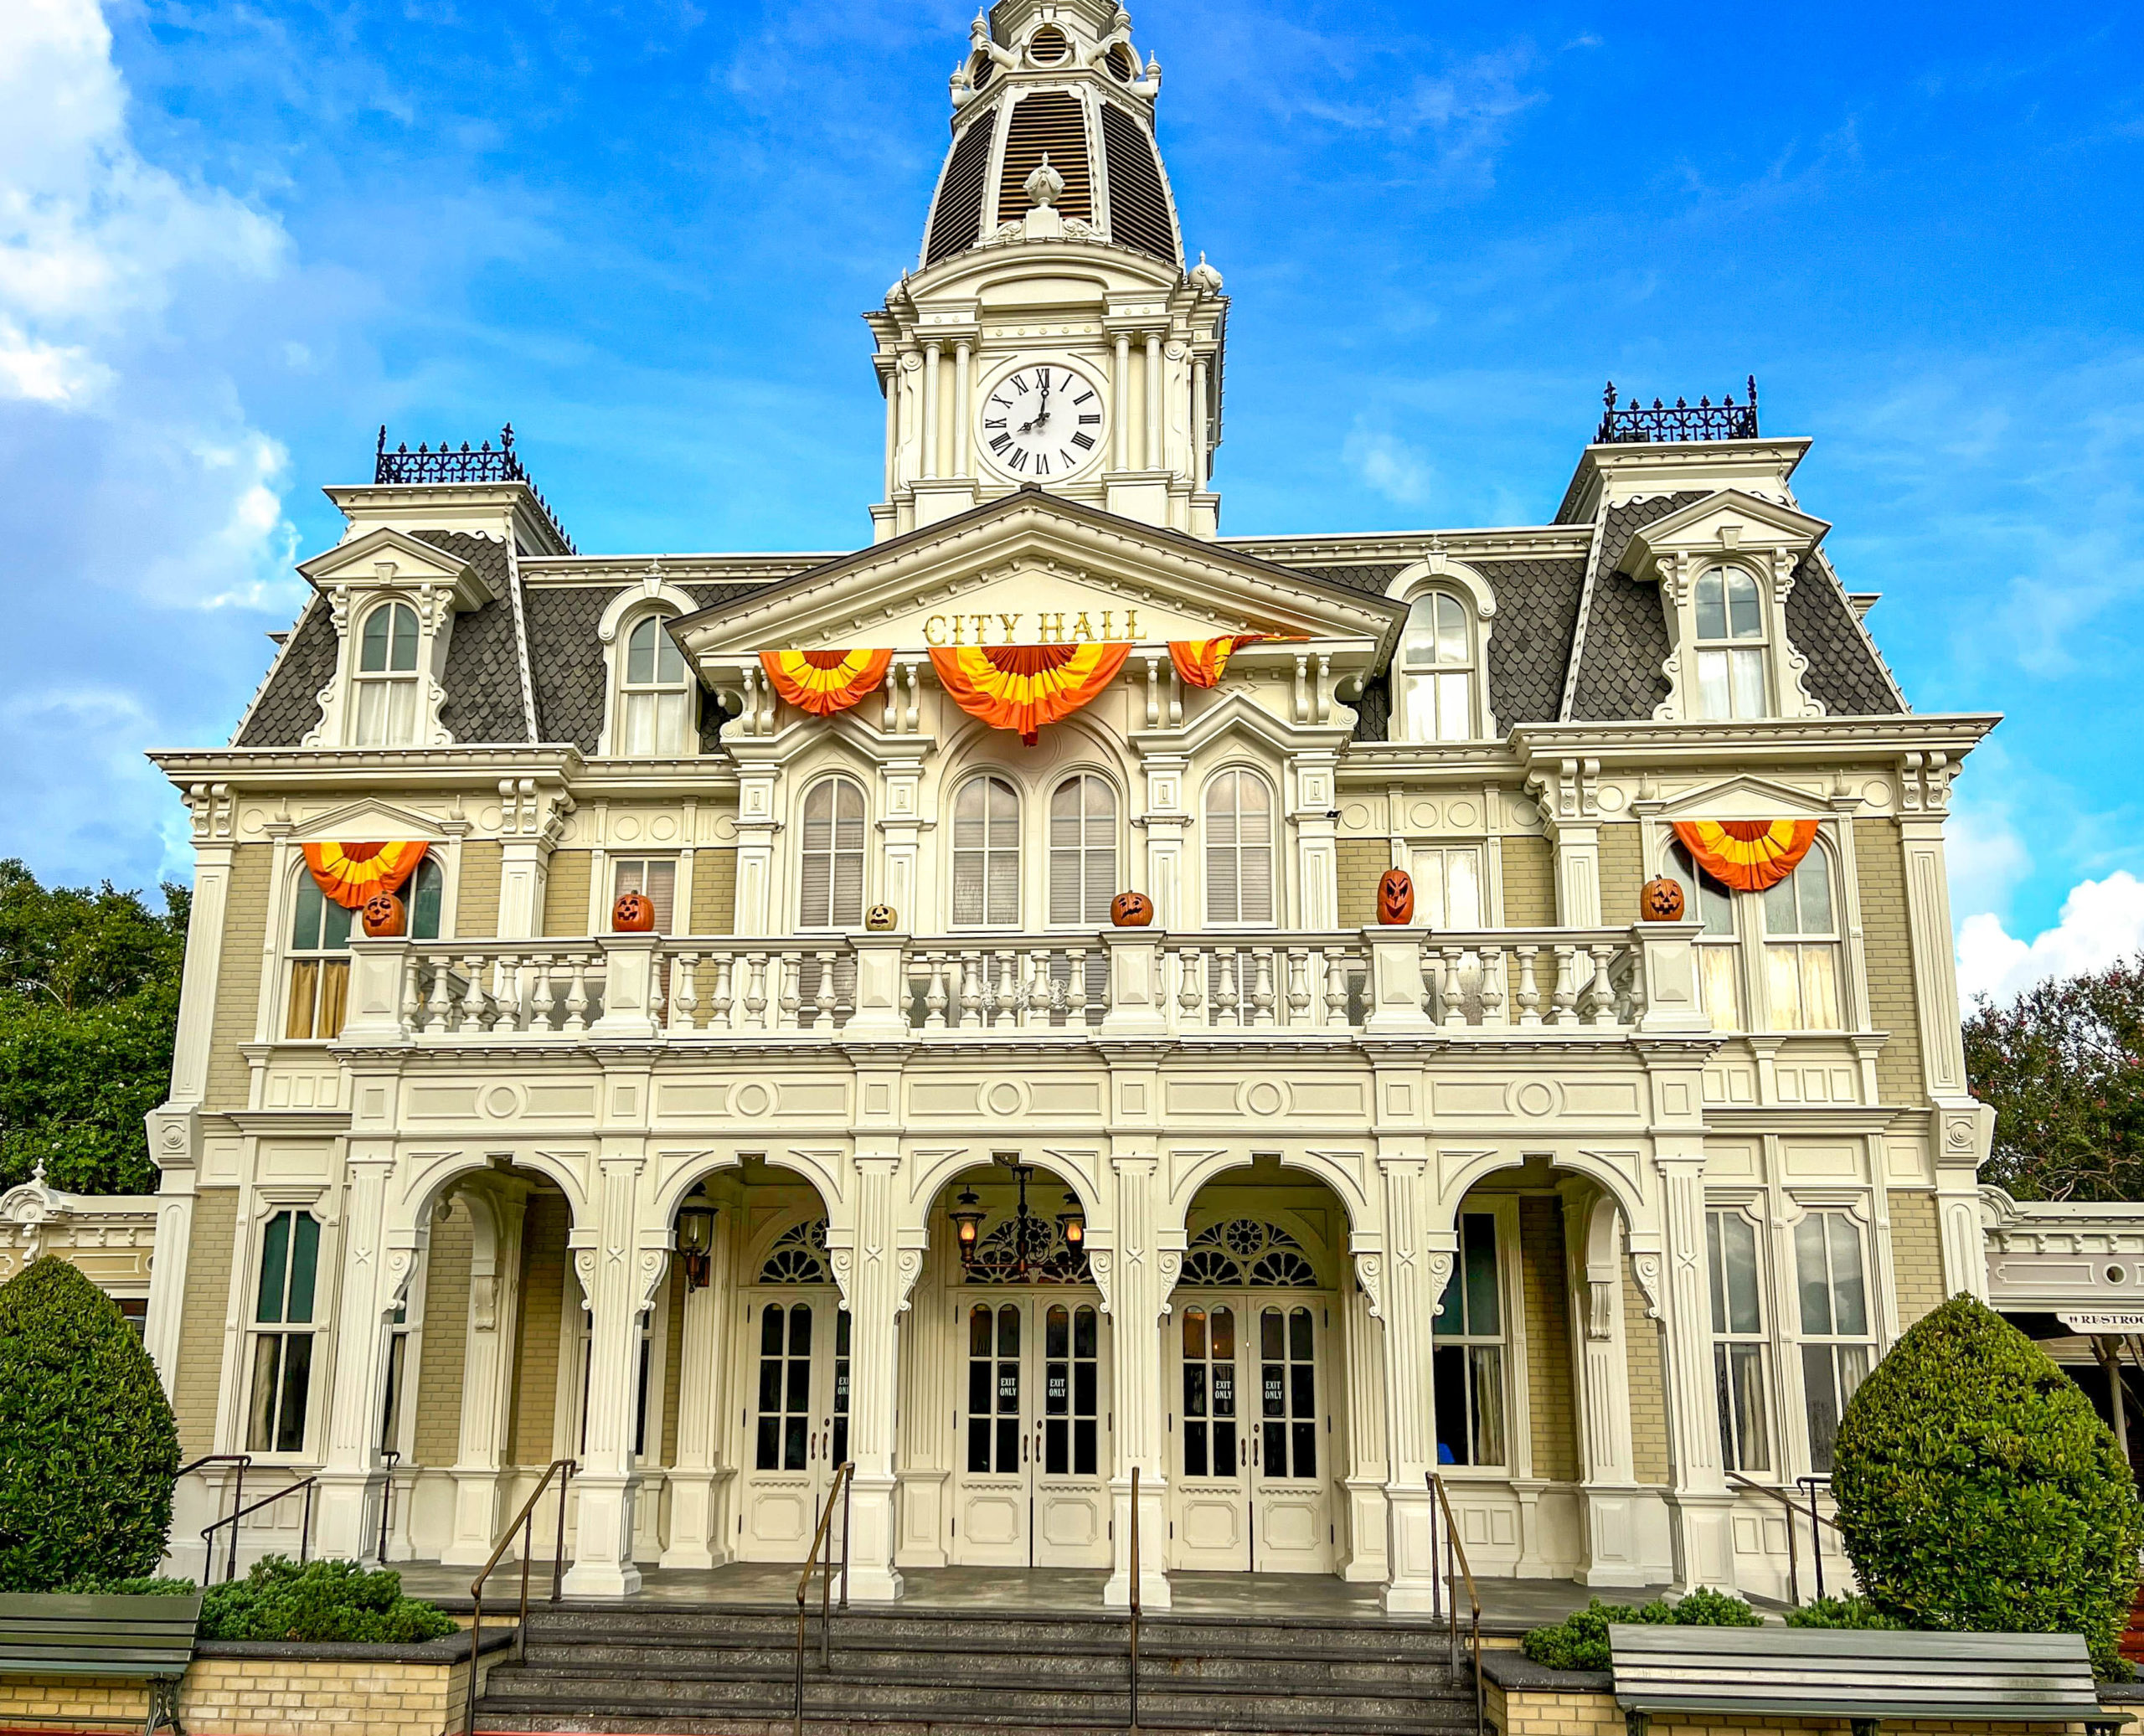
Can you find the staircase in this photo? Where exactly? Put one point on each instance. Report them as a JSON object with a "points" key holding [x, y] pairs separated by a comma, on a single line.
{"points": [[692, 1671]]}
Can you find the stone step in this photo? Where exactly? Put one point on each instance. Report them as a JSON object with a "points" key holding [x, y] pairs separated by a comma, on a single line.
{"points": [[591, 1717]]}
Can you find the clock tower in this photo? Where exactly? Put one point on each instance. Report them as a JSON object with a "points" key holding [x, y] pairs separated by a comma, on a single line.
{"points": [[1050, 333]]}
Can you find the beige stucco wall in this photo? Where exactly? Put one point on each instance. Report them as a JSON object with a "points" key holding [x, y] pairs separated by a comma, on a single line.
{"points": [[1916, 1254], [437, 1433], [238, 979], [565, 894], [536, 1335], [1529, 875], [1552, 1405], [1622, 871], [1880, 864], [1359, 864], [200, 1374], [1648, 1390], [714, 892], [476, 896]]}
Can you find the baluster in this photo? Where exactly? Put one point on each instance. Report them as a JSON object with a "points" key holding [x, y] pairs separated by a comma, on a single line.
{"points": [[1005, 999], [1492, 988], [828, 1002], [543, 996], [1031, 989], [1075, 987], [1190, 991], [934, 995], [788, 970], [1225, 998], [1631, 1004], [1565, 995], [658, 1000], [473, 997], [755, 991], [1335, 986], [1529, 991], [505, 998], [1261, 987], [439, 1016], [970, 991], [577, 995], [684, 1000], [1451, 993], [722, 1005], [409, 1005], [1601, 1001], [1298, 986]]}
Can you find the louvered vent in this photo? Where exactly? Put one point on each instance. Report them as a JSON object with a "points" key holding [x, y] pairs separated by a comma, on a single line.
{"points": [[958, 217], [1047, 46], [1047, 122], [1138, 204], [982, 69], [1122, 65]]}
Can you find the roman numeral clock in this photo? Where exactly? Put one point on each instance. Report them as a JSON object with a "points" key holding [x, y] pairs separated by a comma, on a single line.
{"points": [[1042, 423]]}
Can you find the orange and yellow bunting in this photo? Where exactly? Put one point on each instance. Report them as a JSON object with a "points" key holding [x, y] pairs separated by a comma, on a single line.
{"points": [[350, 873], [825, 682], [1024, 687], [1200, 662], [1747, 855]]}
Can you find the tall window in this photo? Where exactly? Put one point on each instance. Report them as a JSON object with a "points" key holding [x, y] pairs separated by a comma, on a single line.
{"points": [[1836, 1347], [386, 677], [832, 893], [987, 854], [1738, 1341], [1447, 886], [1802, 948], [1730, 648], [320, 965], [1436, 670], [1719, 989], [656, 696], [1210, 1444], [1071, 1384], [1239, 849], [282, 1342], [785, 1409], [1287, 1393], [1469, 1355], [423, 893], [1082, 851], [655, 878]]}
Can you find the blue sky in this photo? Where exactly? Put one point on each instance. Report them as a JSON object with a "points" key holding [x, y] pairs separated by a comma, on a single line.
{"points": [[235, 238]]}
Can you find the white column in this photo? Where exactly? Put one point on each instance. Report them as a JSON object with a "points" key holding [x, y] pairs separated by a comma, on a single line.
{"points": [[1199, 423], [497, 1207], [875, 1289], [696, 1538], [1120, 419], [889, 378], [1593, 1231], [1702, 1505], [932, 352], [346, 1521], [1156, 457], [963, 409], [615, 1286], [1142, 1273], [1363, 1343], [1417, 1260]]}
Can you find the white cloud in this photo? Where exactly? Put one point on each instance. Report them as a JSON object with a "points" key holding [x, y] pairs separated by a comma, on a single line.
{"points": [[2101, 921], [1389, 464]]}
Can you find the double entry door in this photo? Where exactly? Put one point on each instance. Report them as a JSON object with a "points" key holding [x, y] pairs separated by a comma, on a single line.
{"points": [[795, 1417], [1031, 1444], [1253, 1427]]}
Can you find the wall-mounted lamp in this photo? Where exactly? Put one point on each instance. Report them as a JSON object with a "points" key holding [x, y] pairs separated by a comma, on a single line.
{"points": [[1072, 1224], [967, 1222], [696, 1244]]}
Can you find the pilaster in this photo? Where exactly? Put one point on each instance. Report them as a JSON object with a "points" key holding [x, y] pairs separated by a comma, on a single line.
{"points": [[875, 1289], [1140, 1273], [1416, 1262], [697, 1537], [618, 1280], [1702, 1505], [497, 1207], [346, 1523]]}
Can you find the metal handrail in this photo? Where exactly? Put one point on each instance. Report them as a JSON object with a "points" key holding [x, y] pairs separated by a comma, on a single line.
{"points": [[1135, 1600], [1473, 1597], [231, 1519], [238, 1494], [525, 1522], [1794, 1510], [844, 1475]]}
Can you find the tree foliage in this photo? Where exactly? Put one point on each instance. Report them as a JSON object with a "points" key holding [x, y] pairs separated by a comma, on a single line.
{"points": [[89, 1005], [88, 1448], [2064, 1066], [322, 1601], [1978, 1489], [1579, 1642]]}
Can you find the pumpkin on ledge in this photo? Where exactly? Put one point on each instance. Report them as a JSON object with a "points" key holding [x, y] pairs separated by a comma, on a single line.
{"points": [[1131, 910], [1660, 899], [384, 917], [1395, 898], [634, 914]]}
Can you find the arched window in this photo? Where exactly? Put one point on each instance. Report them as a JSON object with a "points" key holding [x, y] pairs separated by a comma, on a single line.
{"points": [[831, 894], [655, 697], [423, 895], [1082, 850], [1802, 948], [1239, 849], [283, 1335], [386, 677], [1731, 646], [320, 964], [1436, 670], [987, 854], [1719, 966]]}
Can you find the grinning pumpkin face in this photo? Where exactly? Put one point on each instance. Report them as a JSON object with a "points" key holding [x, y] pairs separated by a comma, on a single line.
{"points": [[632, 915], [1131, 909], [879, 919], [383, 916], [1660, 900], [1396, 898]]}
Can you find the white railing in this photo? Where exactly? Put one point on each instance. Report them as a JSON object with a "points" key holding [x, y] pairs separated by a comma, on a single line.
{"points": [[1144, 982]]}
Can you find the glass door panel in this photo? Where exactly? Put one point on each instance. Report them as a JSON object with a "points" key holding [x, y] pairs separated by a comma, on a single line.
{"points": [[797, 1423]]}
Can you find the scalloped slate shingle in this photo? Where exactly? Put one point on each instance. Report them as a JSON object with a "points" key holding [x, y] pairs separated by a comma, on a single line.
{"points": [[1530, 647], [287, 711], [483, 657], [1843, 675], [567, 659], [1619, 676]]}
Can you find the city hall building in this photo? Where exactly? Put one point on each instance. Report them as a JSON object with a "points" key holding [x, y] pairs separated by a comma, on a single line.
{"points": [[948, 1004]]}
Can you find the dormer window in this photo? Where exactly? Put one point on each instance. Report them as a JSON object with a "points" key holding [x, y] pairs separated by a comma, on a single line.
{"points": [[656, 696], [1436, 670], [386, 677], [1730, 649]]}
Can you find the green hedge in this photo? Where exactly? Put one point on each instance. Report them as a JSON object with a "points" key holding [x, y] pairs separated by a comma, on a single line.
{"points": [[1580, 1641], [88, 1449], [323, 1601], [1978, 1489], [1852, 1612]]}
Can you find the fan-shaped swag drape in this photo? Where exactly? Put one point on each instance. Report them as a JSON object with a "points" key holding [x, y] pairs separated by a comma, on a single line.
{"points": [[348, 874], [1747, 855], [1025, 687], [825, 682]]}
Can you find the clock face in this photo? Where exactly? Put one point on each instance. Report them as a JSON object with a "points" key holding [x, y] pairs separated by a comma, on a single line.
{"points": [[1042, 422]]}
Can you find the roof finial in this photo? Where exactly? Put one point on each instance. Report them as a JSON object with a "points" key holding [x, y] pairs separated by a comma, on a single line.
{"points": [[1044, 183]]}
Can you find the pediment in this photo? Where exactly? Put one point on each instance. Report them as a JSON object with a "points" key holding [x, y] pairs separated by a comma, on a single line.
{"points": [[1722, 523], [368, 820], [1034, 567], [1746, 798], [390, 559]]}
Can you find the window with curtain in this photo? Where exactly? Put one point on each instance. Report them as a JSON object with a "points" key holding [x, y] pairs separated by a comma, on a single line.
{"points": [[1837, 1348], [987, 854], [832, 856], [1731, 648], [1468, 1358], [282, 1340], [1447, 886], [1719, 971], [423, 893], [1436, 673], [1802, 948], [319, 964], [655, 695], [1082, 851], [385, 679], [1738, 1341], [655, 878], [1239, 832]]}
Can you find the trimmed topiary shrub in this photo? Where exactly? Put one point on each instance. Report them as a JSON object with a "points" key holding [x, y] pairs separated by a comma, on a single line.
{"points": [[1581, 1640], [322, 1601], [1978, 1489], [1841, 1612], [88, 1449]]}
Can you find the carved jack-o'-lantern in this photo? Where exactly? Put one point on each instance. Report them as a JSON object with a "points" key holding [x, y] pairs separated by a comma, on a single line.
{"points": [[383, 916], [880, 919], [1660, 900], [1396, 898], [1131, 909], [634, 914]]}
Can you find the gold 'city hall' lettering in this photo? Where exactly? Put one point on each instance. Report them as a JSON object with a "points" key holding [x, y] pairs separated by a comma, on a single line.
{"points": [[944, 630]]}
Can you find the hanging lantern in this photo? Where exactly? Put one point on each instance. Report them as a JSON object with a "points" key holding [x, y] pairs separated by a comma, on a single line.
{"points": [[696, 1244], [1072, 1225], [967, 1222]]}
